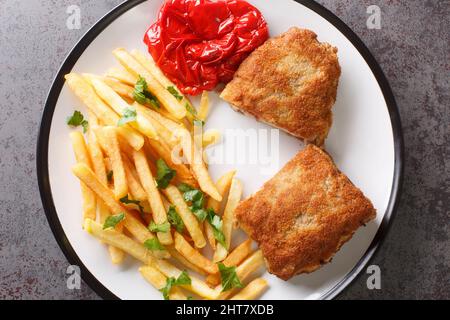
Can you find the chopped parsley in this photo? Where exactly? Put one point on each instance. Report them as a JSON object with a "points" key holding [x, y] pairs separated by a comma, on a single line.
{"points": [[143, 96], [229, 277], [113, 221], [164, 174], [77, 119], [129, 115], [153, 245], [175, 93], [175, 220], [162, 227], [127, 200], [183, 279]]}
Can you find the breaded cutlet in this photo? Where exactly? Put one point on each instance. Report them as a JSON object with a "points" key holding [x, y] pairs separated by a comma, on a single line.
{"points": [[289, 82], [304, 214]]}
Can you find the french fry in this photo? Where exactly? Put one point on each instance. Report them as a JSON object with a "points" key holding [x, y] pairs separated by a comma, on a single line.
{"points": [[125, 91], [122, 75], [211, 137], [193, 256], [204, 106], [82, 156], [190, 221], [117, 255], [234, 198], [84, 91], [120, 106], [135, 187], [195, 159], [197, 286], [252, 291], [167, 100], [223, 185], [185, 262], [234, 259], [132, 224], [162, 131], [250, 265], [148, 63], [153, 196], [158, 280], [119, 240], [107, 137]]}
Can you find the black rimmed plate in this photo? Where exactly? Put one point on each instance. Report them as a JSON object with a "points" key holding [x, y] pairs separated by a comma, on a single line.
{"points": [[365, 141]]}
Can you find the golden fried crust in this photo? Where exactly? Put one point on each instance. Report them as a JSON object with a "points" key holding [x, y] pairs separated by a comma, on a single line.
{"points": [[289, 82], [303, 215]]}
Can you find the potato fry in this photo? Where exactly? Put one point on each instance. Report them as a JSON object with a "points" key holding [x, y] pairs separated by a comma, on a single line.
{"points": [[125, 91], [167, 100], [211, 137], [204, 106], [135, 187], [132, 224], [234, 198], [250, 265], [190, 221], [120, 106], [179, 257], [158, 280], [252, 291], [148, 63], [107, 137], [197, 286], [122, 75], [153, 196], [195, 159], [117, 255], [84, 91], [193, 256], [119, 240], [162, 131], [234, 259], [82, 156]]}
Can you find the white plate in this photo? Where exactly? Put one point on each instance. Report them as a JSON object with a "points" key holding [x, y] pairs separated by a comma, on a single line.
{"points": [[365, 141]]}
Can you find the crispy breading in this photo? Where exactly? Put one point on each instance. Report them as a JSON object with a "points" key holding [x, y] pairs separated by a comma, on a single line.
{"points": [[289, 82], [303, 215]]}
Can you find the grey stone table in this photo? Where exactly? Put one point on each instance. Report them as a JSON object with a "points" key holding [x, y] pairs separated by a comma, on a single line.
{"points": [[413, 49]]}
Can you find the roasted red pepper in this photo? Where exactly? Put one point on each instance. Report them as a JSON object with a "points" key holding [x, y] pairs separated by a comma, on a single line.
{"points": [[200, 43]]}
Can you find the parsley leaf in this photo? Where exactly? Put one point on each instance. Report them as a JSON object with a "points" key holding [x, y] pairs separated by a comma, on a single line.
{"points": [[175, 93], [163, 227], [175, 219], [143, 96], [129, 115], [197, 200], [113, 221], [77, 119], [229, 277], [201, 214], [190, 298], [216, 223], [109, 176], [190, 109], [127, 200], [164, 174], [183, 279], [153, 245]]}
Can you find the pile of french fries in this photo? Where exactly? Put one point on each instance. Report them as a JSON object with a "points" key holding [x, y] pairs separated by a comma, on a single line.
{"points": [[116, 166]]}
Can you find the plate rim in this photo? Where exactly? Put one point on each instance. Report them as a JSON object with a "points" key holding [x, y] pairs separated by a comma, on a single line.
{"points": [[91, 35]]}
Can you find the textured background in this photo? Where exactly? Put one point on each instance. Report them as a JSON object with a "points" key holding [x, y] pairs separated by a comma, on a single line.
{"points": [[413, 50]]}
